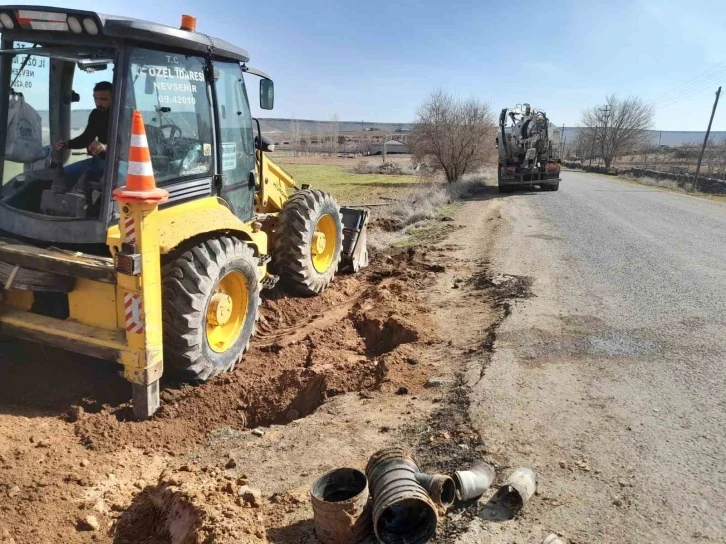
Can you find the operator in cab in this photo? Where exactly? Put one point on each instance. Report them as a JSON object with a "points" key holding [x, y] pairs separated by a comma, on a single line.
{"points": [[94, 138]]}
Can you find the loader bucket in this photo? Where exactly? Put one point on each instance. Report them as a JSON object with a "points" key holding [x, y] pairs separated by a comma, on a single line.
{"points": [[355, 248]]}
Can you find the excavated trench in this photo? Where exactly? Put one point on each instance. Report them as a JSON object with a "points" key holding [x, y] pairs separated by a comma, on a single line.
{"points": [[358, 335]]}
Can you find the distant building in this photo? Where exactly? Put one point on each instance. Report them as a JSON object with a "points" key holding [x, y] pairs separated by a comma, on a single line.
{"points": [[392, 146]]}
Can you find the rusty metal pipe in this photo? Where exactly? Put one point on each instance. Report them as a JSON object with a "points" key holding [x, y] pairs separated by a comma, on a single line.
{"points": [[440, 488], [341, 509], [402, 509]]}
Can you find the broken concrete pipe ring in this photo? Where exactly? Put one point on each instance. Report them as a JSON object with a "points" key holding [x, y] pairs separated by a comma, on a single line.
{"points": [[472, 483], [440, 488], [519, 488], [341, 509], [402, 509]]}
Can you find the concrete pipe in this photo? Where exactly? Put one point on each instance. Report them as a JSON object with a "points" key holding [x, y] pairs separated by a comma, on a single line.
{"points": [[341, 509], [519, 488], [553, 539], [472, 483], [403, 512]]}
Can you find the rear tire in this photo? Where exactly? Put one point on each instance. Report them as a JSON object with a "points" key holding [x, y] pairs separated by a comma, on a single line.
{"points": [[201, 341], [554, 186], [305, 266]]}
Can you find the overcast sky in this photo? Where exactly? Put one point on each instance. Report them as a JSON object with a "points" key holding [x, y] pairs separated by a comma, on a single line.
{"points": [[376, 60]]}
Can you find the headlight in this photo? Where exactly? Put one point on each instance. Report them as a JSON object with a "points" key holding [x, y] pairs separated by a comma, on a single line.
{"points": [[7, 21], [75, 25], [90, 26]]}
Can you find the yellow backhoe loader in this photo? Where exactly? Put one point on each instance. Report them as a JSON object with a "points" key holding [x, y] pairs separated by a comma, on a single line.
{"points": [[147, 242]]}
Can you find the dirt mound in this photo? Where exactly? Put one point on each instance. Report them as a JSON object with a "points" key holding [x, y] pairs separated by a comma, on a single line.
{"points": [[190, 507], [386, 224], [358, 335]]}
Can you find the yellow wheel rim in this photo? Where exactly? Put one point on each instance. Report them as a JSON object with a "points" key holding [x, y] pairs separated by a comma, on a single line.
{"points": [[322, 248], [227, 311]]}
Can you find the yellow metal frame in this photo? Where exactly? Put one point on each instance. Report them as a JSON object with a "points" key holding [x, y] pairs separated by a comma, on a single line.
{"points": [[272, 188], [204, 216], [98, 323]]}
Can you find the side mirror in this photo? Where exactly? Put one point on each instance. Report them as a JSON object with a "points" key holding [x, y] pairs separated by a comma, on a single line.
{"points": [[265, 144], [267, 94]]}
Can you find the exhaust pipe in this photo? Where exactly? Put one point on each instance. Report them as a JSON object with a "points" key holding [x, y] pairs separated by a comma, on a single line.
{"points": [[440, 488], [472, 483], [341, 509], [402, 510]]}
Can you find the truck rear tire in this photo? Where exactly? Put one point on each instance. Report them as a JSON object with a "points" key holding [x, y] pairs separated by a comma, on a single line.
{"points": [[211, 294], [554, 187], [309, 241]]}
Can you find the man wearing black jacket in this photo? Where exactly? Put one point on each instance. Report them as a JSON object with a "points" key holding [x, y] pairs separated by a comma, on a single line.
{"points": [[94, 138]]}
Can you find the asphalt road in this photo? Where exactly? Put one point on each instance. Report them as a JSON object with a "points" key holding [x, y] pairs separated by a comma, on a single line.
{"points": [[611, 380]]}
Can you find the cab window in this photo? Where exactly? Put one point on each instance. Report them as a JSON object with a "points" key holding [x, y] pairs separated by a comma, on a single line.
{"points": [[171, 93], [237, 145]]}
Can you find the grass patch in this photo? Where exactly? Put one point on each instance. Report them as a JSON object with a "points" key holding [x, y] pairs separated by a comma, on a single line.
{"points": [[348, 187], [671, 186], [419, 214]]}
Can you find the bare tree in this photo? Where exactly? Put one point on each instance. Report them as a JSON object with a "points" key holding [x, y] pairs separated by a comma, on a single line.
{"points": [[581, 145], [719, 159], [619, 128], [334, 133], [294, 135], [454, 135], [305, 142]]}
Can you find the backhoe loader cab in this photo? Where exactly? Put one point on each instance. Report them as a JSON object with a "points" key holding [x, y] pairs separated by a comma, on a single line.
{"points": [[139, 212], [189, 88]]}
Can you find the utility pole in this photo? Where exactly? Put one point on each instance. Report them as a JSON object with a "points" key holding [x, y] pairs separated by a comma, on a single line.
{"points": [[705, 140], [606, 110], [384, 148]]}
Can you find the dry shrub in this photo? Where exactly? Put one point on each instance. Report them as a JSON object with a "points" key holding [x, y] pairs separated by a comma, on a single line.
{"points": [[390, 168], [423, 203], [655, 182]]}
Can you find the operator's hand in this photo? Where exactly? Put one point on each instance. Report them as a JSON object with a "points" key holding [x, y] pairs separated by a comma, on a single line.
{"points": [[96, 148], [60, 145]]}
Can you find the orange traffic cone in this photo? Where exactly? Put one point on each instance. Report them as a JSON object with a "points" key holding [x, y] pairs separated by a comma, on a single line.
{"points": [[140, 182]]}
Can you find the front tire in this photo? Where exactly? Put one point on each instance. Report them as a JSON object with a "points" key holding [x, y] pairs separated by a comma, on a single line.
{"points": [[210, 299], [309, 241]]}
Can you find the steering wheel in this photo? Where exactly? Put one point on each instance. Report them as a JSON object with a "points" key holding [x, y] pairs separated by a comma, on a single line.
{"points": [[174, 133]]}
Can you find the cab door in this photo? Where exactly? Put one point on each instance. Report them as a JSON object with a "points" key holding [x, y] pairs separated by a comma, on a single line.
{"points": [[235, 144]]}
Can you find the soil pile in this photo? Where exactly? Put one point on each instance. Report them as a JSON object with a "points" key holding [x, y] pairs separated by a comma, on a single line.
{"points": [[75, 468]]}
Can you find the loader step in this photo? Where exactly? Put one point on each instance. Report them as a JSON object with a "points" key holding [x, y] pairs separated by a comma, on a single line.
{"points": [[70, 335], [67, 263], [269, 281]]}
